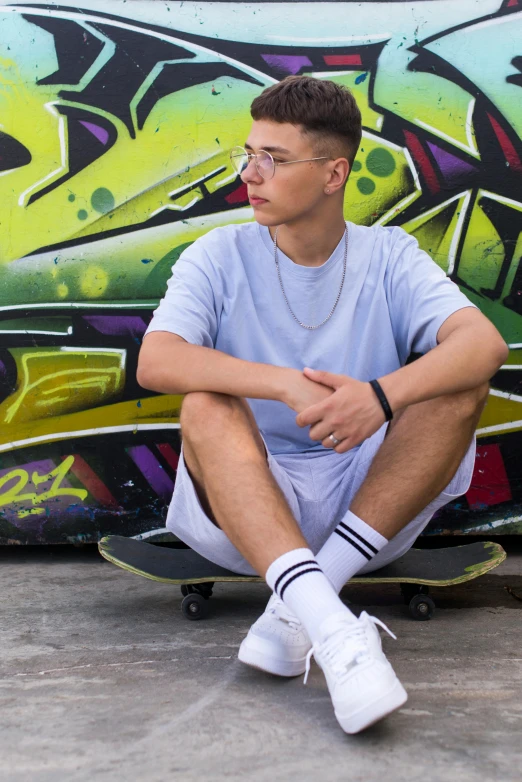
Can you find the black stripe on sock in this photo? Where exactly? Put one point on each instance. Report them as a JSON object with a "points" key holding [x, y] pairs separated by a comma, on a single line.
{"points": [[293, 578], [299, 564], [354, 544], [359, 537]]}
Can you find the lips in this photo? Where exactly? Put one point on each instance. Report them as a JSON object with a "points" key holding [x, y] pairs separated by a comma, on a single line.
{"points": [[256, 201]]}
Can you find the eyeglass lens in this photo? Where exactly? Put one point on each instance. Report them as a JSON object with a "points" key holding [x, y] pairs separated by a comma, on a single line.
{"points": [[264, 162]]}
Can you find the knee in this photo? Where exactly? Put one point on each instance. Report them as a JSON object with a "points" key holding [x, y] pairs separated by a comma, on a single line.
{"points": [[205, 411]]}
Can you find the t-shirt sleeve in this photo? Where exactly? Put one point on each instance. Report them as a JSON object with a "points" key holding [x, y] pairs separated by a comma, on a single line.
{"points": [[420, 297], [192, 304]]}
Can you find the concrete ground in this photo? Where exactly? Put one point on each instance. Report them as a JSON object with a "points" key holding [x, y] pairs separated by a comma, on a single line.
{"points": [[103, 679]]}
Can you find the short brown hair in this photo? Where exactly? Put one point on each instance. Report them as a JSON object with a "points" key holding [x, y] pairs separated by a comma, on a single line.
{"points": [[322, 108]]}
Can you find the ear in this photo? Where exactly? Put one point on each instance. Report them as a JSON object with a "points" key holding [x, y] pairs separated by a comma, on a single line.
{"points": [[339, 170]]}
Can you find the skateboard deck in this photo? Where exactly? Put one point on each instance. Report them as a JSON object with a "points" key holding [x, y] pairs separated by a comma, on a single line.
{"points": [[416, 571]]}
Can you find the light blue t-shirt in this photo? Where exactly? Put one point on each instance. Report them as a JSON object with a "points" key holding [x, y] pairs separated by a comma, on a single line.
{"points": [[224, 293]]}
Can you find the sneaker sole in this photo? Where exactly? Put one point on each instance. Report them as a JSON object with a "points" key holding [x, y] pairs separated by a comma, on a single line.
{"points": [[260, 660], [375, 711]]}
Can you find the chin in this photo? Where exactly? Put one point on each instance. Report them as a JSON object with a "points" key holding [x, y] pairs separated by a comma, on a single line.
{"points": [[264, 219]]}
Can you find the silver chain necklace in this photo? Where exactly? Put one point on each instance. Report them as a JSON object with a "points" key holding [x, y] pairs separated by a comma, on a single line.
{"points": [[340, 289]]}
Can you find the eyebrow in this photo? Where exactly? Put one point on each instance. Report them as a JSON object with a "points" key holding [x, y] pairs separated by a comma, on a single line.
{"points": [[281, 150]]}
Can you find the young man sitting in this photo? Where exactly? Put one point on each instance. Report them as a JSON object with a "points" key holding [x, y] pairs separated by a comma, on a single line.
{"points": [[311, 450]]}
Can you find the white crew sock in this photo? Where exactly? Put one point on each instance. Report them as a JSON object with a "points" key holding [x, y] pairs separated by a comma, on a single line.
{"points": [[297, 579], [351, 545]]}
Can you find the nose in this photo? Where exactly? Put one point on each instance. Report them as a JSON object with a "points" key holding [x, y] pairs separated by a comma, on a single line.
{"points": [[251, 174]]}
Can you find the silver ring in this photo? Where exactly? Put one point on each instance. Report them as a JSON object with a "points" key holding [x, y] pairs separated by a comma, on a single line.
{"points": [[334, 440]]}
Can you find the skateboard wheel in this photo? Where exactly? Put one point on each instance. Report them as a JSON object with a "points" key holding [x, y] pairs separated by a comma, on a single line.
{"points": [[194, 606], [421, 607]]}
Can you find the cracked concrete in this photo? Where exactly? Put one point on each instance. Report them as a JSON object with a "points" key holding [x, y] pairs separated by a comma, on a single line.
{"points": [[101, 678]]}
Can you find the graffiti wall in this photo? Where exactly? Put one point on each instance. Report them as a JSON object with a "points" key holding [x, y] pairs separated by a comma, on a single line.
{"points": [[115, 123]]}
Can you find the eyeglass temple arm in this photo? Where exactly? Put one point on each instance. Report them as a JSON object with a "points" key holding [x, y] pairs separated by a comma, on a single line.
{"points": [[303, 160]]}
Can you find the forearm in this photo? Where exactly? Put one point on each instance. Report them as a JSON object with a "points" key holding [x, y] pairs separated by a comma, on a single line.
{"points": [[179, 368], [466, 359]]}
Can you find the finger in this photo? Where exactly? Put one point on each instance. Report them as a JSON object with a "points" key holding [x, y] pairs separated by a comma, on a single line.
{"points": [[321, 431], [344, 446], [311, 415], [327, 441], [325, 378]]}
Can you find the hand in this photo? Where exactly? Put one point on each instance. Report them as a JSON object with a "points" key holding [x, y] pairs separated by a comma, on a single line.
{"points": [[302, 393], [352, 413]]}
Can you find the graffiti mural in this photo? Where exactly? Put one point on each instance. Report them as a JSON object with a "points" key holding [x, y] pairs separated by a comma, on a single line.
{"points": [[115, 123]]}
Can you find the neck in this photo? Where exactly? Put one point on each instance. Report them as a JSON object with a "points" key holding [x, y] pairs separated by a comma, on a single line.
{"points": [[309, 241]]}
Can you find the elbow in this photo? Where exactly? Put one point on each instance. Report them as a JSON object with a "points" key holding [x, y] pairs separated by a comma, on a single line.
{"points": [[149, 371], [151, 375], [145, 377], [157, 368]]}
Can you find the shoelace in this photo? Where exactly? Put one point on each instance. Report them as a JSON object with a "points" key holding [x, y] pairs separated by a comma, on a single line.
{"points": [[335, 651], [281, 612]]}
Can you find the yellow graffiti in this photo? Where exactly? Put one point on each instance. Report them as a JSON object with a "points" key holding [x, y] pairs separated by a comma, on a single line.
{"points": [[62, 380], [20, 478], [22, 514], [94, 282]]}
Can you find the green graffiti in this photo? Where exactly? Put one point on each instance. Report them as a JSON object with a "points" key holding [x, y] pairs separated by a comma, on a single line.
{"points": [[365, 185], [102, 200], [380, 162]]}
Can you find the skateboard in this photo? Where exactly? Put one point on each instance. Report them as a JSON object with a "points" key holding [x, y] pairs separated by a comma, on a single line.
{"points": [[415, 572]]}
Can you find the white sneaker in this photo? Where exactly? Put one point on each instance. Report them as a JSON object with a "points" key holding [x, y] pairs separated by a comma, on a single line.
{"points": [[277, 643], [363, 686]]}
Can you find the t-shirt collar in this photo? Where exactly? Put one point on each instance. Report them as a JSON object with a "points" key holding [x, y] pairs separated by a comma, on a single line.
{"points": [[295, 269]]}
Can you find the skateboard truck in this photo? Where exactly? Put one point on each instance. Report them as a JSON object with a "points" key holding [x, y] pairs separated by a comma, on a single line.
{"points": [[194, 605]]}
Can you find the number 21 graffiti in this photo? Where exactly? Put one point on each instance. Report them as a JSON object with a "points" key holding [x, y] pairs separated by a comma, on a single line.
{"points": [[26, 491]]}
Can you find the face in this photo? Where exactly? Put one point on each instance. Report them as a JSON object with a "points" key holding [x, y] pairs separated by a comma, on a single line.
{"points": [[295, 191]]}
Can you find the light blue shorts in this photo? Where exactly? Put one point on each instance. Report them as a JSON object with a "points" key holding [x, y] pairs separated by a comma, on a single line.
{"points": [[319, 489]]}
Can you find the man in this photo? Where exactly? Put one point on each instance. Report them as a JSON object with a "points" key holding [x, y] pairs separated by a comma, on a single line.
{"points": [[295, 464]]}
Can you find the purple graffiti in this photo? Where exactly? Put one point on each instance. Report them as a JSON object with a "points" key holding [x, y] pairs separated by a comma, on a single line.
{"points": [[152, 470], [100, 133], [117, 325], [289, 63], [451, 166]]}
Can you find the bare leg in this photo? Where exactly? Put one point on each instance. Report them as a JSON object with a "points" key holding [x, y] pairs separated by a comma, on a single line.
{"points": [[226, 458], [420, 455]]}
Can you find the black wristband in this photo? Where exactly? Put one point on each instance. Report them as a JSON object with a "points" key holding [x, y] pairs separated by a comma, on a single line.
{"points": [[381, 396]]}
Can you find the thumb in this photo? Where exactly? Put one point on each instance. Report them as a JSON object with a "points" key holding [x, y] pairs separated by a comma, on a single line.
{"points": [[325, 378]]}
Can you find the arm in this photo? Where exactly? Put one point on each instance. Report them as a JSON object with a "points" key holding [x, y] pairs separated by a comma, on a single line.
{"points": [[169, 364], [469, 352]]}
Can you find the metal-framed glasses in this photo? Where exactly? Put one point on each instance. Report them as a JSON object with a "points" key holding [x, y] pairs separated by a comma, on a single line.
{"points": [[263, 161]]}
